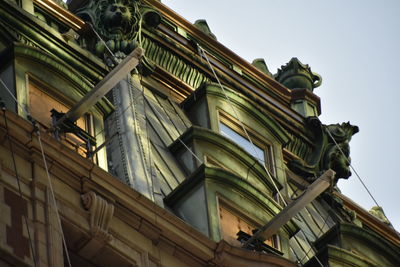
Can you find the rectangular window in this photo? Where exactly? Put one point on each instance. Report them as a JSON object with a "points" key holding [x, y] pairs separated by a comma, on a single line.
{"points": [[41, 102], [262, 151], [232, 221], [254, 150]]}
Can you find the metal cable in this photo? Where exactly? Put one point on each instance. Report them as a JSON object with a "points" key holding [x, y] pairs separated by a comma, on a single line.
{"points": [[358, 176], [247, 135], [101, 39], [53, 197], [241, 123], [179, 139], [351, 166], [47, 171]]}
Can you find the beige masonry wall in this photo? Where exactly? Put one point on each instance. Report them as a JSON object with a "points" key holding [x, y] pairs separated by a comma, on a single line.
{"points": [[99, 229], [105, 222]]}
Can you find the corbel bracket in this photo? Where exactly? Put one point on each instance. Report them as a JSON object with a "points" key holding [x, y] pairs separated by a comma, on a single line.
{"points": [[101, 213]]}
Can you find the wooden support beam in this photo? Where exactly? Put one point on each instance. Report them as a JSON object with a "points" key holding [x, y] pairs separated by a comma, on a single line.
{"points": [[103, 87], [312, 192]]}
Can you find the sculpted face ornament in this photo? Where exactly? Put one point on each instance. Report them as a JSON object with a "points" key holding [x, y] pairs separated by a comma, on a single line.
{"points": [[337, 153], [331, 151], [116, 21], [117, 18]]}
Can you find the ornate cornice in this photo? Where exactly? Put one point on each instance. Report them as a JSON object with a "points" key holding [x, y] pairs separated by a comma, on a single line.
{"points": [[42, 36], [370, 221], [213, 45], [173, 64], [61, 13]]}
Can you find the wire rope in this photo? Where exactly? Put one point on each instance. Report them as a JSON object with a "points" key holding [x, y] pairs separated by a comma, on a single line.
{"points": [[46, 168]]}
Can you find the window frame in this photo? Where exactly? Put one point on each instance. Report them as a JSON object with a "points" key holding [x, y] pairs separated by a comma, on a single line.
{"points": [[256, 138], [69, 139], [230, 207]]}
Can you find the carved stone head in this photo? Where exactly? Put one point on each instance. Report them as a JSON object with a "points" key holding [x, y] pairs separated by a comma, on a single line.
{"points": [[116, 21], [118, 18], [337, 153], [331, 150]]}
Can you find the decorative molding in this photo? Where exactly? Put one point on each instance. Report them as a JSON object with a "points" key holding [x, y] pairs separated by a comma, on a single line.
{"points": [[54, 8], [331, 150], [296, 75], [370, 221], [173, 64], [299, 147], [47, 39], [101, 213]]}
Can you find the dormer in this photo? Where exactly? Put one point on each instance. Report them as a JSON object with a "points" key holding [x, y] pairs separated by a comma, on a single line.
{"points": [[238, 117], [233, 157]]}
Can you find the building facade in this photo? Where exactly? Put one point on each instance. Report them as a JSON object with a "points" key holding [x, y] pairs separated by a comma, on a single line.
{"points": [[131, 137]]}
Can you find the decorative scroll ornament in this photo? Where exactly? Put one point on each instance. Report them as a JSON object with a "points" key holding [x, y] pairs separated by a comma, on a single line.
{"points": [[101, 213], [326, 154]]}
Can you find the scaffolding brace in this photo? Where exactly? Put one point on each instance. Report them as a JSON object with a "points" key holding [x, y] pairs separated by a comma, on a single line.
{"points": [[102, 88], [312, 192]]}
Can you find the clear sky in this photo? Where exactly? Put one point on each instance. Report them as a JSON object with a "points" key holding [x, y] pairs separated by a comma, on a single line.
{"points": [[354, 45]]}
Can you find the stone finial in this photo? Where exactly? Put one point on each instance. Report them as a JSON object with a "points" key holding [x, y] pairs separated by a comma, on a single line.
{"points": [[296, 75], [101, 213], [378, 213], [260, 64], [202, 25]]}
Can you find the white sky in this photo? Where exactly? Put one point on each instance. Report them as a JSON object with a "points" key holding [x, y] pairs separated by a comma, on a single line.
{"points": [[354, 45]]}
